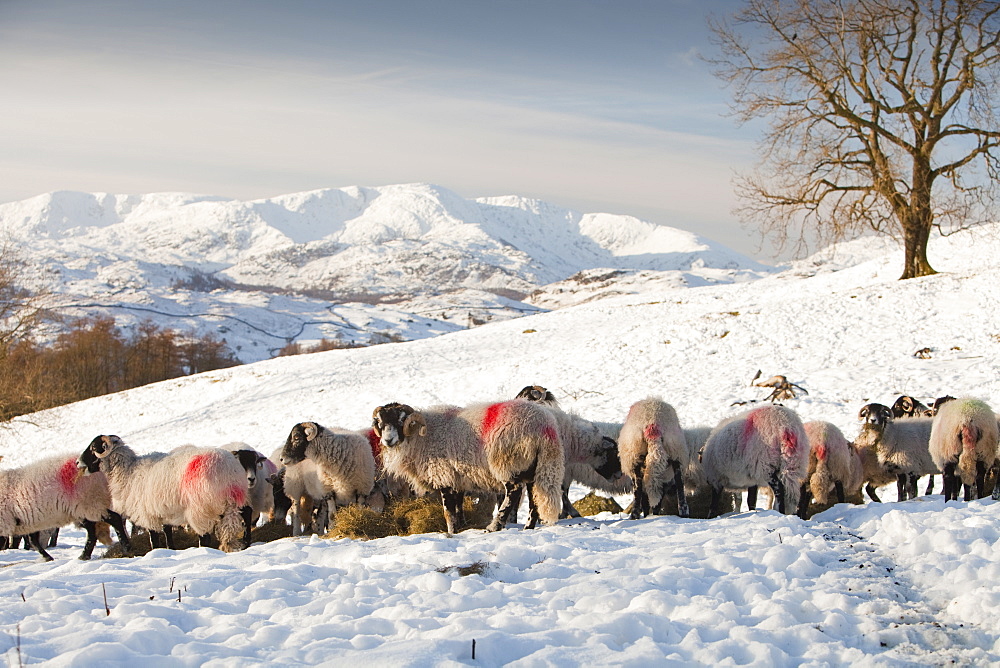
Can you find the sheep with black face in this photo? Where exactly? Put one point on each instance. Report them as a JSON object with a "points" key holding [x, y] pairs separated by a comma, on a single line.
{"points": [[482, 448], [201, 488], [50, 493], [900, 446], [337, 466]]}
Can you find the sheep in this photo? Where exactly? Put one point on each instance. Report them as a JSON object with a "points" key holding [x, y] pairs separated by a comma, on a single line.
{"points": [[202, 488], [48, 494], [907, 406], [591, 456], [697, 491], [650, 443], [763, 446], [834, 465], [260, 498], [481, 448], [963, 444], [901, 446], [344, 467]]}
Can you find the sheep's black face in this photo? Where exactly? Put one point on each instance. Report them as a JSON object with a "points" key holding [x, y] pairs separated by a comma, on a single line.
{"points": [[875, 416], [906, 406], [612, 467], [250, 461], [537, 394], [295, 445], [388, 422], [90, 459]]}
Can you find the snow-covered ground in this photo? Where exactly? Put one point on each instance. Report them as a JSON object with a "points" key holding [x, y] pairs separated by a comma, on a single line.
{"points": [[914, 583]]}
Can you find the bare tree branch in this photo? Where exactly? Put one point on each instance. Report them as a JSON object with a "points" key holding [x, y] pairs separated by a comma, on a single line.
{"points": [[882, 116]]}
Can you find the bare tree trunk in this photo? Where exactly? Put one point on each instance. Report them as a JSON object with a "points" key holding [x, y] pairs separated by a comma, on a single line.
{"points": [[916, 233]]}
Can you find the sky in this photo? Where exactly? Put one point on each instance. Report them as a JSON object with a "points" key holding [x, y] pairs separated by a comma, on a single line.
{"points": [[598, 106]]}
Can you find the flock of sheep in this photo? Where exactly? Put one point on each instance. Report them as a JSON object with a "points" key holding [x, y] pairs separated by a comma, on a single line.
{"points": [[498, 450]]}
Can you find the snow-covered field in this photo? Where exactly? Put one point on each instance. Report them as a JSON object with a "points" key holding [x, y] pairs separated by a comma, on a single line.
{"points": [[914, 583]]}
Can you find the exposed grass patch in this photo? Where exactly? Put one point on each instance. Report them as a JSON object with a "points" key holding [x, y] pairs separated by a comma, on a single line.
{"points": [[407, 517], [592, 504]]}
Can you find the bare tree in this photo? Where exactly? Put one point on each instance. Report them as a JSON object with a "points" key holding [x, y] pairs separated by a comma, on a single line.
{"points": [[881, 116]]}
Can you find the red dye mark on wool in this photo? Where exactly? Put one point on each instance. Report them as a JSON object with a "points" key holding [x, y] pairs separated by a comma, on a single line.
{"points": [[376, 445], [492, 417], [237, 495], [67, 476], [196, 470], [789, 441], [750, 425], [652, 432], [970, 436], [550, 433]]}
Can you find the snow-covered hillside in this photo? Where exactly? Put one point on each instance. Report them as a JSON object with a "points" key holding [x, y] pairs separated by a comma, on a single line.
{"points": [[410, 260], [908, 584]]}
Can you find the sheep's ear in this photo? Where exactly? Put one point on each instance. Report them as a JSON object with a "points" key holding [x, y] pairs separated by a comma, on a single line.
{"points": [[886, 414], [415, 424]]}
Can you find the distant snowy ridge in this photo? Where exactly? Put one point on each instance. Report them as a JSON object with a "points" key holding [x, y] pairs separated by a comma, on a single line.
{"points": [[409, 260]]}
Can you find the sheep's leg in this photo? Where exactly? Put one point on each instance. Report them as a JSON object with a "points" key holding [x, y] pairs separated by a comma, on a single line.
{"points": [[778, 490], [980, 479], [713, 508], [950, 483], [515, 492], [838, 487], [913, 477], [168, 533], [247, 513], [752, 497], [568, 510], [682, 505], [805, 495], [532, 507], [54, 537], [118, 524], [35, 541], [508, 506], [902, 492], [870, 490], [930, 485], [4, 542], [452, 501], [88, 547], [640, 500]]}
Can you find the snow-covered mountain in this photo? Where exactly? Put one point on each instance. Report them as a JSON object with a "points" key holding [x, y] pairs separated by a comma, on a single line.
{"points": [[894, 584], [409, 260]]}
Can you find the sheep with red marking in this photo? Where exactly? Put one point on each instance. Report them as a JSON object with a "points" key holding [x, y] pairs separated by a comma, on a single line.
{"points": [[963, 444], [653, 449], [591, 456], [481, 448], [50, 493], [201, 488], [344, 466], [834, 466], [763, 446]]}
